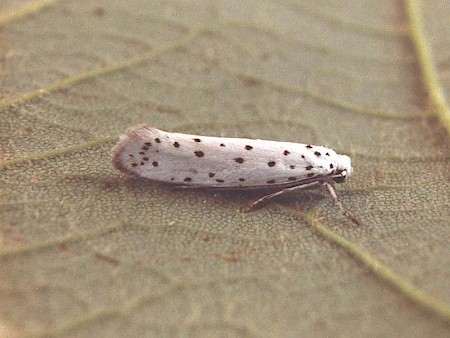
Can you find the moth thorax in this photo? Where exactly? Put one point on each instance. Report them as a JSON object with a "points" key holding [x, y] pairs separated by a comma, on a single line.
{"points": [[344, 169]]}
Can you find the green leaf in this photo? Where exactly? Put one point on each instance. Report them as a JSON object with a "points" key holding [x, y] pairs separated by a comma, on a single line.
{"points": [[87, 251]]}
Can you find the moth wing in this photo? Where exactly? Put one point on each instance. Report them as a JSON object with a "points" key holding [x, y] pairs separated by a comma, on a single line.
{"points": [[204, 161]]}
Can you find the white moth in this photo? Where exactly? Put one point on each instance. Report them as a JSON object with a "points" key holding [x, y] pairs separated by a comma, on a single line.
{"points": [[193, 161]]}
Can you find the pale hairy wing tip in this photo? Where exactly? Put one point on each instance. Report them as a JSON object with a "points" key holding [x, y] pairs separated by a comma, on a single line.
{"points": [[131, 133], [117, 151], [137, 130]]}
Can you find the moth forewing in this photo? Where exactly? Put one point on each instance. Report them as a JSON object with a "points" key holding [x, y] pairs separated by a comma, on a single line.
{"points": [[219, 162]]}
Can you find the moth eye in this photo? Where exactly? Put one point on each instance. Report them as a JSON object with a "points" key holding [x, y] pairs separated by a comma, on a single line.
{"points": [[339, 179]]}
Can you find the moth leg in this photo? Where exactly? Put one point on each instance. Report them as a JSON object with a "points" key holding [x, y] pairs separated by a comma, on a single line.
{"points": [[339, 203], [254, 204]]}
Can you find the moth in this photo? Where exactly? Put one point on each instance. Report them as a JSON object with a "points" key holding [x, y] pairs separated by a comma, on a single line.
{"points": [[194, 161]]}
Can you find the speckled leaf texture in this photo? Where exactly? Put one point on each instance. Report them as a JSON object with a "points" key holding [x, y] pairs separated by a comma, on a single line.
{"points": [[86, 251]]}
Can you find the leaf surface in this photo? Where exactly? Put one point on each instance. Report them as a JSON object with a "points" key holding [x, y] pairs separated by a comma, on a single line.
{"points": [[87, 251]]}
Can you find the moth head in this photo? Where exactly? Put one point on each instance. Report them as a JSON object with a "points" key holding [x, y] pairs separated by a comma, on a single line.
{"points": [[343, 169]]}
